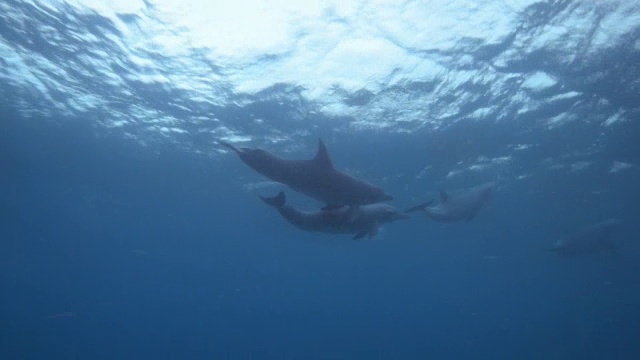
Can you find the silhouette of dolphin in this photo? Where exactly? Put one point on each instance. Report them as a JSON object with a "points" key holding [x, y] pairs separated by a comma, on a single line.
{"points": [[316, 178], [594, 239], [464, 206], [358, 220]]}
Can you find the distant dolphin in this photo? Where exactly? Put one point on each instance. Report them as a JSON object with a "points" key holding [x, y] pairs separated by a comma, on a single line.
{"points": [[464, 206], [316, 178], [358, 220], [597, 238]]}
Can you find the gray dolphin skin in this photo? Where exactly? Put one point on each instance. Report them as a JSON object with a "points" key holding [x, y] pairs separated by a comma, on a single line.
{"points": [[593, 239], [461, 207], [358, 220], [316, 177]]}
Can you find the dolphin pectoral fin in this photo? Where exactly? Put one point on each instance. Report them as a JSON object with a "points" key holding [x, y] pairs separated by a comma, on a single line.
{"points": [[275, 201], [443, 196], [322, 156], [360, 235], [373, 231], [420, 207], [352, 213]]}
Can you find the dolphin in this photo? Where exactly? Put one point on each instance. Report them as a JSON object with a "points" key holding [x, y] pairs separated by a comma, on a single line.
{"points": [[316, 177], [358, 220], [597, 238], [464, 206]]}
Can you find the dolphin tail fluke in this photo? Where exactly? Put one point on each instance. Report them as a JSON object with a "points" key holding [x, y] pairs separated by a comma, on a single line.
{"points": [[421, 207], [275, 201]]}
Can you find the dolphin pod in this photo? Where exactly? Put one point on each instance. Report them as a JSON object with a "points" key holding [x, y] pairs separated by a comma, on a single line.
{"points": [[354, 206]]}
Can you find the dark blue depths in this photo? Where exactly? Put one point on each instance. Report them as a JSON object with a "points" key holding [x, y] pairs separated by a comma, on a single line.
{"points": [[110, 250]]}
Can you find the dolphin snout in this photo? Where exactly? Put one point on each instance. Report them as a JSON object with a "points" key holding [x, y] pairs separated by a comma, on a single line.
{"points": [[229, 146]]}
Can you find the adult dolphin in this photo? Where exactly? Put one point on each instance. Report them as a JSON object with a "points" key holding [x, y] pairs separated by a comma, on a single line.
{"points": [[593, 239], [317, 177], [463, 206], [358, 220]]}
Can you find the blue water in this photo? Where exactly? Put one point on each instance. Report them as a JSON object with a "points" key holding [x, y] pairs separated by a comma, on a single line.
{"points": [[127, 232]]}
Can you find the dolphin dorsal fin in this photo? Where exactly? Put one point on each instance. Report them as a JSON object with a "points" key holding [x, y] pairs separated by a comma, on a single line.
{"points": [[443, 196], [322, 156]]}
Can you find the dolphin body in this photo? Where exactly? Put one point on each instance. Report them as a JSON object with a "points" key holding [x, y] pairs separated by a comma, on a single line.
{"points": [[594, 239], [358, 220], [316, 177], [464, 206]]}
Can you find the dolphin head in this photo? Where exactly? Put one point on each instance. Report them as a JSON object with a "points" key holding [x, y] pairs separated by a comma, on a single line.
{"points": [[253, 154], [387, 213], [252, 157], [377, 195], [257, 159], [385, 197]]}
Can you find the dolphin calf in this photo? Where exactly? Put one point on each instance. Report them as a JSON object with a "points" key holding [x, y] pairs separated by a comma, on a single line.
{"points": [[316, 177], [464, 206], [597, 238], [358, 220]]}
